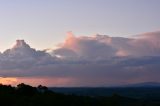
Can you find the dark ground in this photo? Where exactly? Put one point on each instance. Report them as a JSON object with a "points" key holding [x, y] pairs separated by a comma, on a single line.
{"points": [[26, 95]]}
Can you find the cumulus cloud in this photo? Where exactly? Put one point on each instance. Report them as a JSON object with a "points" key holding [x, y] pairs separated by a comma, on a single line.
{"points": [[95, 47], [102, 46], [147, 44], [97, 60], [22, 56]]}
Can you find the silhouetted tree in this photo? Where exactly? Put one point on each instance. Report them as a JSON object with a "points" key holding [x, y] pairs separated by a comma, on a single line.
{"points": [[42, 88], [26, 90]]}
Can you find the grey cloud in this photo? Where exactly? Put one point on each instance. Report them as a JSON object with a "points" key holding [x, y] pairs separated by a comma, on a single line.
{"points": [[22, 56], [98, 60], [112, 72]]}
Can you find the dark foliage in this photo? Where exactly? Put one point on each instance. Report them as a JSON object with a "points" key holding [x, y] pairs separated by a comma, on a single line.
{"points": [[26, 95]]}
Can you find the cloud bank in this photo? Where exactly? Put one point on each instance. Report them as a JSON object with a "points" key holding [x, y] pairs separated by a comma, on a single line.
{"points": [[98, 60], [102, 46]]}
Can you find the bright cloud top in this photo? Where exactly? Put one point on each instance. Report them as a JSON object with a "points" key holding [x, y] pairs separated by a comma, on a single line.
{"points": [[99, 60], [102, 46]]}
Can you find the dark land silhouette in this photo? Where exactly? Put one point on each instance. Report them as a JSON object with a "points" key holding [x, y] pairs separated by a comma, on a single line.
{"points": [[26, 95]]}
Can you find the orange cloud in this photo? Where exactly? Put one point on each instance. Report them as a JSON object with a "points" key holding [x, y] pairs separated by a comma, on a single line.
{"points": [[8, 80], [35, 81], [46, 81]]}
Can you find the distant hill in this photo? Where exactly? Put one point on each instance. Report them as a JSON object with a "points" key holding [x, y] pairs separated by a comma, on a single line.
{"points": [[143, 84], [140, 90]]}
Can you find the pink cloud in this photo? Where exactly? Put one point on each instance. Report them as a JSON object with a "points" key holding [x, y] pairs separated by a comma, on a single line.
{"points": [[87, 60], [46, 81]]}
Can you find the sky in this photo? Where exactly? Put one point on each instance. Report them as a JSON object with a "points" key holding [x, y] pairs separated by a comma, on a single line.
{"points": [[79, 42], [37, 21]]}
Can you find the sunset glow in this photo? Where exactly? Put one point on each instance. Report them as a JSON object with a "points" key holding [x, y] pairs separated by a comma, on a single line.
{"points": [[8, 80]]}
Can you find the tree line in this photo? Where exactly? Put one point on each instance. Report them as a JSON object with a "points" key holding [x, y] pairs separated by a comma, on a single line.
{"points": [[26, 95]]}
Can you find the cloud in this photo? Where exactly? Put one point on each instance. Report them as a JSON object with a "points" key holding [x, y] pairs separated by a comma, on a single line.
{"points": [[98, 60], [96, 47], [147, 44], [22, 56], [102, 73], [8, 80], [101, 46]]}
